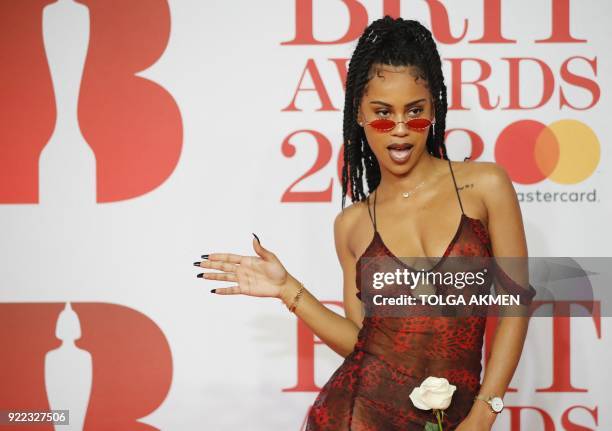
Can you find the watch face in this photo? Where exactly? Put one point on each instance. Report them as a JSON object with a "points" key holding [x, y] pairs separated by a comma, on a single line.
{"points": [[497, 404]]}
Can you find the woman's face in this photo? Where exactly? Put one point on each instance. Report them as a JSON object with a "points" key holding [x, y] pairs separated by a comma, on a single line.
{"points": [[395, 93]]}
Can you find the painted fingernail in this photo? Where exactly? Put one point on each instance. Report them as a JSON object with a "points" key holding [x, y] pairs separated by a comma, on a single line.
{"points": [[256, 238], [213, 290], [204, 256], [196, 263], [200, 275]]}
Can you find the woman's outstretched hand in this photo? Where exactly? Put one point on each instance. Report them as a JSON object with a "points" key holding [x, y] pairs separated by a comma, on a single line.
{"points": [[262, 275]]}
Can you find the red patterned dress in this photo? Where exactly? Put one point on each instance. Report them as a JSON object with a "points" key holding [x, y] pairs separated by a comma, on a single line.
{"points": [[370, 390]]}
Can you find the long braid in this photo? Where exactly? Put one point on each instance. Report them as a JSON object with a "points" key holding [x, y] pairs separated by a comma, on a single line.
{"points": [[395, 42], [356, 145]]}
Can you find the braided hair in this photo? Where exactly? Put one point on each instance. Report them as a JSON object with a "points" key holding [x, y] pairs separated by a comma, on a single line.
{"points": [[395, 42]]}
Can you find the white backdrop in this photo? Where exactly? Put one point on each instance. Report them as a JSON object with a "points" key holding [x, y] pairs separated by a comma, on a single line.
{"points": [[129, 180]]}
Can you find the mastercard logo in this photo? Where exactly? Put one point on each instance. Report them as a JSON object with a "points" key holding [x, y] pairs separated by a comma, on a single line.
{"points": [[565, 152]]}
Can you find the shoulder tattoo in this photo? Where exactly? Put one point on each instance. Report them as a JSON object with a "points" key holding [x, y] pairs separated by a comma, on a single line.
{"points": [[466, 186]]}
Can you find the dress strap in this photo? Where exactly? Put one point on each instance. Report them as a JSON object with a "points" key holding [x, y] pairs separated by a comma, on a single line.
{"points": [[456, 188], [372, 218]]}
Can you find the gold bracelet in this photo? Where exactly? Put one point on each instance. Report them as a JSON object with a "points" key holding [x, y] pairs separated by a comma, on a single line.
{"points": [[293, 306]]}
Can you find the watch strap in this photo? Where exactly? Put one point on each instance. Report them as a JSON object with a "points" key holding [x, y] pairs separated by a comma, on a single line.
{"points": [[482, 398]]}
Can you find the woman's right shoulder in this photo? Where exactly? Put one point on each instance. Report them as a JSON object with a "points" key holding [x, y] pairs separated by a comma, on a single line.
{"points": [[347, 222], [350, 216]]}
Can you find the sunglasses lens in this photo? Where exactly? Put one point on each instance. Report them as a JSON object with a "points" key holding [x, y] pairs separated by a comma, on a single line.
{"points": [[382, 124], [419, 123]]}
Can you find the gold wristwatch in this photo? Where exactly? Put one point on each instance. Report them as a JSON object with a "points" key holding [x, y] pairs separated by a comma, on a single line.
{"points": [[495, 402]]}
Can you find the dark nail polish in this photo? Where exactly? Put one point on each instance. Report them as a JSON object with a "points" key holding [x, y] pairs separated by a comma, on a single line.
{"points": [[196, 263], [256, 238], [204, 256], [200, 275], [213, 290]]}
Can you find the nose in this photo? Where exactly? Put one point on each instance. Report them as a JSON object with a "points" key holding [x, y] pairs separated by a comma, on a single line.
{"points": [[400, 129]]}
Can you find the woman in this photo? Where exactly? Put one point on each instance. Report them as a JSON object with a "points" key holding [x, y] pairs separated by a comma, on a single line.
{"points": [[422, 205]]}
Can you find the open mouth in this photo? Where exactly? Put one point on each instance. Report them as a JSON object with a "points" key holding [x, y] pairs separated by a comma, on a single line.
{"points": [[400, 153]]}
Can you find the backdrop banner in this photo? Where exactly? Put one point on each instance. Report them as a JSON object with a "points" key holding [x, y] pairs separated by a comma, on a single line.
{"points": [[136, 136]]}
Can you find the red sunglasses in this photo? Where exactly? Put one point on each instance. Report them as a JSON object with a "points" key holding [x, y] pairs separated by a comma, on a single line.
{"points": [[386, 125]]}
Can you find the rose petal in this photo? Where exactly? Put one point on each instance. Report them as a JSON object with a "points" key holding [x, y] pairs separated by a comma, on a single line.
{"points": [[436, 401], [436, 384], [416, 398]]}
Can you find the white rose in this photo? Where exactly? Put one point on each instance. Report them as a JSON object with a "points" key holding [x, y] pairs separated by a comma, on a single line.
{"points": [[434, 393]]}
